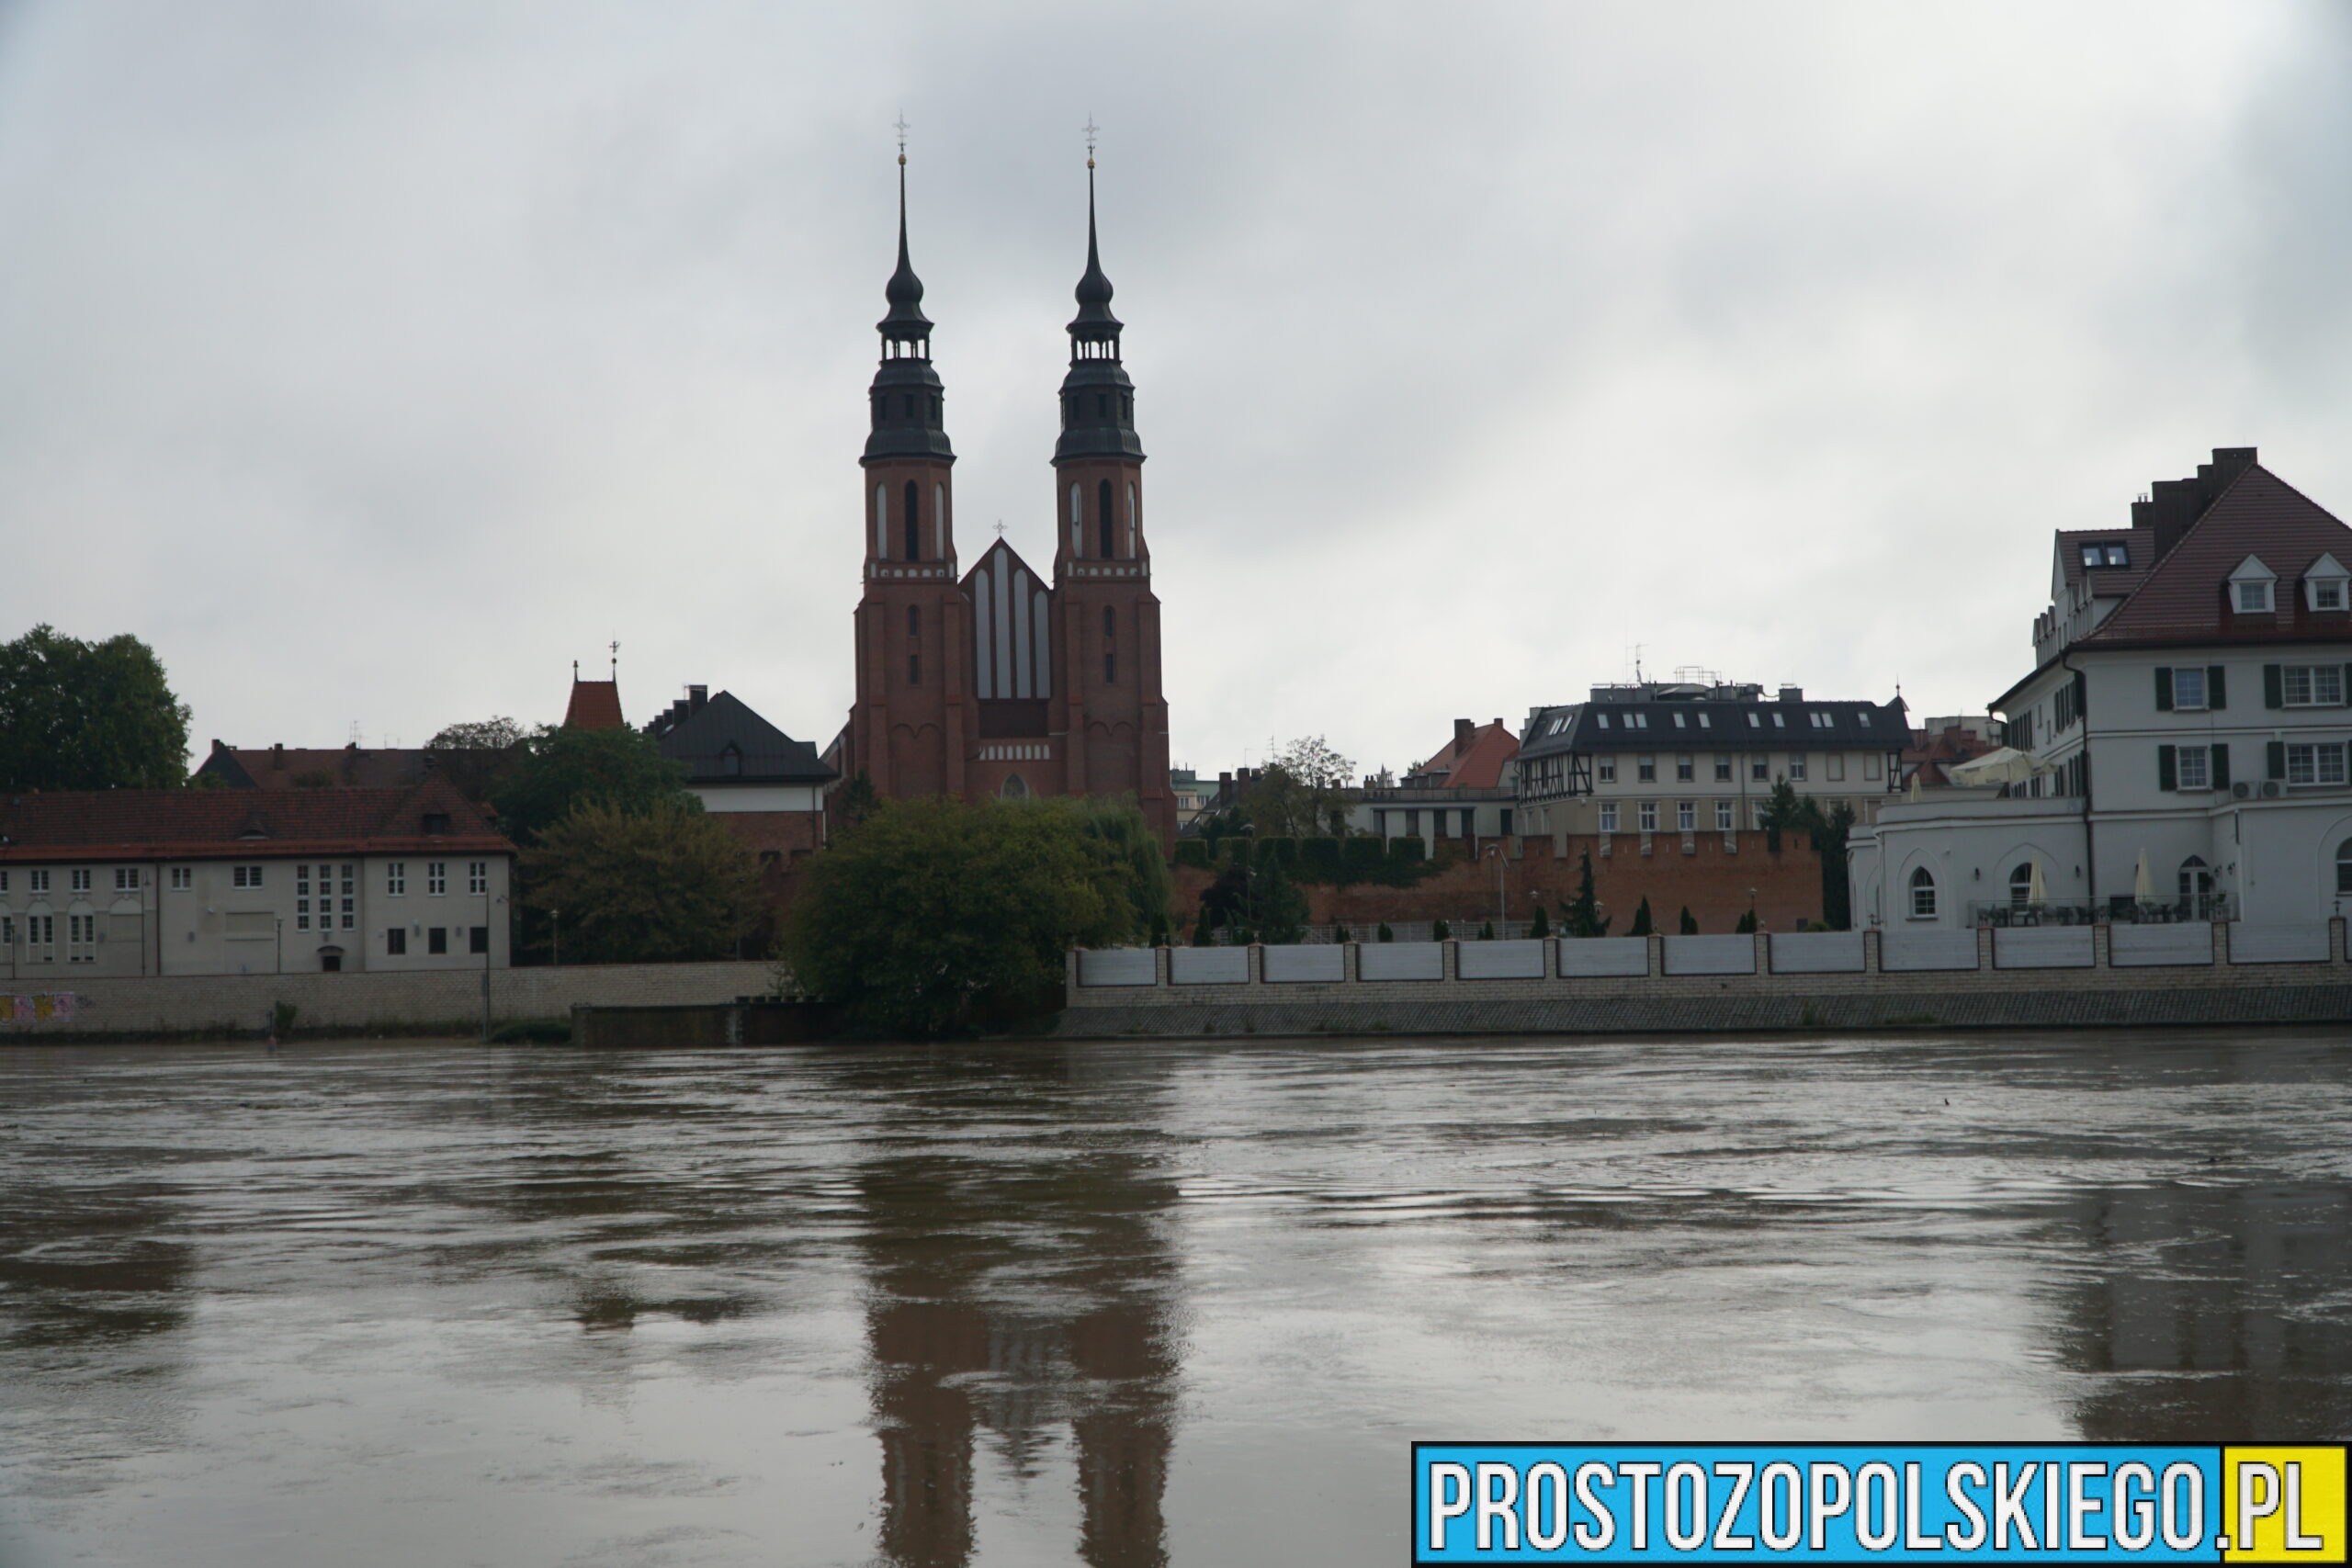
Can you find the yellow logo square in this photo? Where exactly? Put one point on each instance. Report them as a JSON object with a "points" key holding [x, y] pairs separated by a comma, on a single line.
{"points": [[2282, 1504]]}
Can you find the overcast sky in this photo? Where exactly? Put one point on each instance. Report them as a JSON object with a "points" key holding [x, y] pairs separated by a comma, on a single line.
{"points": [[375, 362]]}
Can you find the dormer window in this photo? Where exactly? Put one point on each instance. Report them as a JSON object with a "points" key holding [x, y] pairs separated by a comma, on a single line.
{"points": [[2327, 596], [2325, 585], [436, 823], [2250, 588], [730, 763]]}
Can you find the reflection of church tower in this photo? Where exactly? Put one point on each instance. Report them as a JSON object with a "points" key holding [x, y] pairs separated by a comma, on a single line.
{"points": [[909, 728], [1019, 1300]]}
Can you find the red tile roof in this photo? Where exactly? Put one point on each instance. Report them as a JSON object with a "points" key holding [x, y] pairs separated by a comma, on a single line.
{"points": [[2184, 598], [231, 824], [1476, 765], [596, 705], [303, 767]]}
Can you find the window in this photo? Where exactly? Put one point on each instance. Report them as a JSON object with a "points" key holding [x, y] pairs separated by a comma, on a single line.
{"points": [[40, 938], [41, 881], [1608, 769], [183, 879], [1413, 824], [476, 939], [2022, 885], [1871, 765], [1679, 722], [1779, 721], [395, 878], [1796, 767], [80, 878], [2188, 688], [477, 876], [81, 939], [1686, 816], [2316, 763], [1923, 895], [3, 882], [437, 877], [396, 942], [1754, 722], [302, 897], [1103, 514], [2197, 887], [1649, 816], [350, 887], [2116, 554], [437, 939], [2327, 594], [126, 879], [2253, 598], [1724, 818], [2312, 686], [245, 877], [1601, 719], [8, 934], [2191, 764], [1646, 769], [2344, 867], [1702, 722], [1723, 769], [1760, 771], [1609, 818], [1836, 767], [1110, 667], [1684, 770]]}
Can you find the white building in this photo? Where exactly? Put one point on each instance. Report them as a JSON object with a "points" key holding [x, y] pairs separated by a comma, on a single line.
{"points": [[2187, 703], [243, 882], [1689, 757]]}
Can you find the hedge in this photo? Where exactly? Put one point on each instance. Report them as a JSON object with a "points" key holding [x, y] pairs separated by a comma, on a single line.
{"points": [[1192, 851]]}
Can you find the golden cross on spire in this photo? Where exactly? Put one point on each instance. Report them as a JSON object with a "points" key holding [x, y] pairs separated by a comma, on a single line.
{"points": [[899, 125], [1091, 131], [617, 660]]}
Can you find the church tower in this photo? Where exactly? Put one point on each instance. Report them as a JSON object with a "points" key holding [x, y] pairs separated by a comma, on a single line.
{"points": [[1113, 717], [908, 729]]}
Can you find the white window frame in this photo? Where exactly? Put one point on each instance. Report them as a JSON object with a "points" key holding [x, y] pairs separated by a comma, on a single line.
{"points": [[245, 876], [2254, 597], [1605, 770], [1725, 819], [1686, 768], [183, 879], [39, 880], [2322, 763], [1759, 770], [126, 879], [436, 878], [1922, 908], [396, 879], [2314, 676], [2197, 759], [2185, 676], [1796, 767], [1609, 816], [1648, 817], [1646, 770], [1686, 816], [79, 878], [478, 877]]}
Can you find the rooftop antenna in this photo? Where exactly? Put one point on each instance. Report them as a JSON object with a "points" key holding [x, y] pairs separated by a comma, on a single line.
{"points": [[355, 732]]}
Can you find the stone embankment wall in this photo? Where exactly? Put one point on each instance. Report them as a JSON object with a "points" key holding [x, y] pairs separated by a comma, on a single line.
{"points": [[1715, 874], [367, 1003], [2046, 977]]}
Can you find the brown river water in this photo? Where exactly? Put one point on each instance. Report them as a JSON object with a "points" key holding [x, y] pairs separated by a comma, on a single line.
{"points": [[1129, 1303]]}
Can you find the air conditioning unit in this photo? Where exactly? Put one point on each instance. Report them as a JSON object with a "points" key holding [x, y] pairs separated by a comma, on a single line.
{"points": [[2241, 792], [2272, 789]]}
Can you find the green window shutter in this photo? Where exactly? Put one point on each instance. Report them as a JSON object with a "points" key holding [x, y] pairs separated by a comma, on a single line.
{"points": [[2168, 768], [2217, 686], [2274, 689], [2163, 689], [2083, 696], [2276, 758], [2221, 767]]}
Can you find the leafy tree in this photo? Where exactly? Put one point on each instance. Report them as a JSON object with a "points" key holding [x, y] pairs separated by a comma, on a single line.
{"points": [[498, 734], [78, 715], [938, 916], [859, 800], [1642, 925], [1302, 792], [562, 769], [478, 755], [1278, 907], [1746, 922], [1487, 930], [1580, 916], [660, 884], [1829, 840], [1440, 932], [1116, 833], [1541, 926], [1689, 926]]}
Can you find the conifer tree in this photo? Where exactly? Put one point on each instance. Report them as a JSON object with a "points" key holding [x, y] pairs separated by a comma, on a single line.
{"points": [[1642, 926], [1689, 926]]}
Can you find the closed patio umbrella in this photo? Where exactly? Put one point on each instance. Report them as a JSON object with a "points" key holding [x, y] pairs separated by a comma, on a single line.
{"points": [[2037, 892], [2143, 887]]}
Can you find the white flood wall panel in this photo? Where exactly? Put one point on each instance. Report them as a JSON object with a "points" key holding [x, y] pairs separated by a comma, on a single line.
{"points": [[2277, 944], [1208, 965], [1118, 967], [1325, 963], [1604, 956], [1400, 961], [1711, 954], [1816, 953], [1917, 951], [2042, 947], [2140, 947], [1498, 961]]}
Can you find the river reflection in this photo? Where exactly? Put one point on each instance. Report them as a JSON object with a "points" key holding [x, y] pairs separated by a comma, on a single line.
{"points": [[1121, 1305]]}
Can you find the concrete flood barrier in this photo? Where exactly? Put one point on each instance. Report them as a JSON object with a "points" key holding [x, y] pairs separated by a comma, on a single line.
{"points": [[2049, 976]]}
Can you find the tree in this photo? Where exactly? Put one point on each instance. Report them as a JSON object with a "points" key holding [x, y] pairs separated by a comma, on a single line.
{"points": [[1829, 840], [1580, 916], [498, 734], [78, 715], [476, 756], [1487, 930], [1440, 932], [562, 769], [1687, 926], [1201, 929], [1385, 935], [660, 884], [1116, 832], [938, 916], [1642, 925], [1541, 926], [1278, 907], [1302, 792], [858, 800], [1746, 922]]}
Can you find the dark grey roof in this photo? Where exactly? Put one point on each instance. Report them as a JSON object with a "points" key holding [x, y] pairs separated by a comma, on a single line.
{"points": [[1714, 725], [702, 739]]}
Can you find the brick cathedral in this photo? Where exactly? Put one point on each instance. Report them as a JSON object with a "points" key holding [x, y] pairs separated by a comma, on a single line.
{"points": [[996, 682]]}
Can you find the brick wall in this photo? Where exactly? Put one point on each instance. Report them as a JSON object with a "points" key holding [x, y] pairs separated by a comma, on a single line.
{"points": [[363, 1002], [1713, 883]]}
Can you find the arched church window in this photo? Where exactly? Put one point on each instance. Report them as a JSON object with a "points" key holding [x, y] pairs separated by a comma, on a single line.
{"points": [[1131, 519], [1076, 522], [939, 521], [2020, 885], [914, 645], [1923, 895], [914, 524], [881, 523], [1015, 787], [1102, 513]]}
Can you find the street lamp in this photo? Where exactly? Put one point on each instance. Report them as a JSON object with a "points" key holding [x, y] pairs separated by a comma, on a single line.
{"points": [[555, 939]]}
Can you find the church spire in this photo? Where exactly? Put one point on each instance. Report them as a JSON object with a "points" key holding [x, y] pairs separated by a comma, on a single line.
{"points": [[1098, 400], [906, 324], [906, 397]]}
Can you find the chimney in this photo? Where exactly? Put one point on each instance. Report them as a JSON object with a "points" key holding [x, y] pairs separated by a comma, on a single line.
{"points": [[1463, 731], [278, 756], [1792, 693], [695, 697]]}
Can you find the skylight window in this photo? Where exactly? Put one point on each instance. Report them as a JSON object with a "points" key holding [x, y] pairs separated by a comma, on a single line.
{"points": [[2118, 556], [1680, 723]]}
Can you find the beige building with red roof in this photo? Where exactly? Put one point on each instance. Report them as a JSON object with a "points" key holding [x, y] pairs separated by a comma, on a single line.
{"points": [[1465, 792], [2188, 710], [243, 882]]}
